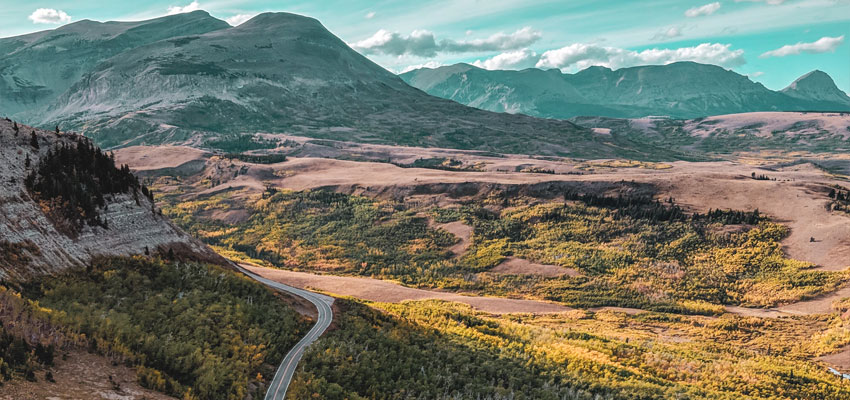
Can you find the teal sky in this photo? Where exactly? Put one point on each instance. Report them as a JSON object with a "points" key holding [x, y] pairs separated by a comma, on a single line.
{"points": [[772, 41]]}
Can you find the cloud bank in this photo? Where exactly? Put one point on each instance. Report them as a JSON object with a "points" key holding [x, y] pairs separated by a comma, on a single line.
{"points": [[422, 43], [669, 33], [771, 2], [193, 6], [519, 59], [238, 19], [707, 9], [49, 16], [581, 55], [825, 44]]}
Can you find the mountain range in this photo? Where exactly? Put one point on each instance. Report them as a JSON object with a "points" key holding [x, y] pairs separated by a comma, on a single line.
{"points": [[677, 90], [189, 77]]}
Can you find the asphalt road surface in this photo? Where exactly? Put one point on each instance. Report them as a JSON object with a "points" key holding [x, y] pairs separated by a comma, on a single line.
{"points": [[278, 385]]}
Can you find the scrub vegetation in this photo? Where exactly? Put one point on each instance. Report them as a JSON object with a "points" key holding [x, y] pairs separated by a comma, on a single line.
{"points": [[440, 350], [629, 252], [192, 331]]}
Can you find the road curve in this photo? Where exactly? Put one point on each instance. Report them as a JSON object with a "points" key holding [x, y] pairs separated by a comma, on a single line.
{"points": [[278, 385]]}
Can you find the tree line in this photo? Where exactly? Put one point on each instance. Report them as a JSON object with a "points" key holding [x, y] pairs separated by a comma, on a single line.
{"points": [[72, 180], [645, 207]]}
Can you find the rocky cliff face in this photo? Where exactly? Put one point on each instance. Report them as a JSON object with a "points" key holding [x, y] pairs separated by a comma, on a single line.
{"points": [[30, 243], [678, 90]]}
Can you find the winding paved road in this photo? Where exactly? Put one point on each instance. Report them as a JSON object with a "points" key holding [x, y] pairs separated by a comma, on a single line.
{"points": [[278, 385]]}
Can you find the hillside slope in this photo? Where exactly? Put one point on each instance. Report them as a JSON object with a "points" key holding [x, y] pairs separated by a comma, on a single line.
{"points": [[817, 87], [678, 90], [35, 236], [37, 68], [281, 73]]}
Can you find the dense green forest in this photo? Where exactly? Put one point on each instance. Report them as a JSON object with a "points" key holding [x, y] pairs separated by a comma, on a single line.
{"points": [[632, 252], [192, 330], [238, 143], [71, 182], [438, 350]]}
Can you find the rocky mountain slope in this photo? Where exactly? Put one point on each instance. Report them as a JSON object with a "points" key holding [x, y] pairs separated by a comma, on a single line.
{"points": [[678, 90], [36, 68], [35, 240], [279, 73], [817, 87]]}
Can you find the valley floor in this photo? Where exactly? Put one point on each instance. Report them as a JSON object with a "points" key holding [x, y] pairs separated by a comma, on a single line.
{"points": [[493, 242]]}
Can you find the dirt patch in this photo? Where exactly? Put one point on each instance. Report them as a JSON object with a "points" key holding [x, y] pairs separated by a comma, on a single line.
{"points": [[625, 310], [462, 231], [145, 158], [521, 266], [818, 305], [232, 217], [839, 360], [389, 292], [81, 376]]}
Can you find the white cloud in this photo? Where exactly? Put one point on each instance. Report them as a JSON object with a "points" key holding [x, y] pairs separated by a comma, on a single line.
{"points": [[707, 9], [49, 16], [771, 2], [581, 55], [756, 74], [518, 59], [238, 19], [429, 64], [193, 6], [419, 42], [370, 15], [825, 44], [422, 43], [499, 41], [672, 32]]}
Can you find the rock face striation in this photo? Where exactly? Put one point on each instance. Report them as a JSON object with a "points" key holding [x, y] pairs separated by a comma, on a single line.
{"points": [[31, 244], [677, 90]]}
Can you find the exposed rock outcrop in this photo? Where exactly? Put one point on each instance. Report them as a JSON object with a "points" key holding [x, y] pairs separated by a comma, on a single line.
{"points": [[30, 244]]}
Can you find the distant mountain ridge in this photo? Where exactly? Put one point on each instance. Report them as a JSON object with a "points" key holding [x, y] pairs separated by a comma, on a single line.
{"points": [[194, 77], [678, 90], [817, 86]]}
